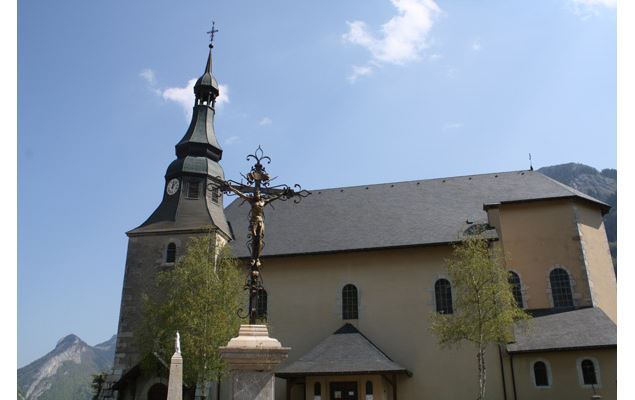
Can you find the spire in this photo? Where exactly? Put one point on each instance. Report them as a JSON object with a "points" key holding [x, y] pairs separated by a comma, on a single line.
{"points": [[206, 87], [200, 138]]}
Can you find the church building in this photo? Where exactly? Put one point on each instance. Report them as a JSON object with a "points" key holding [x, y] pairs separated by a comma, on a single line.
{"points": [[352, 275]]}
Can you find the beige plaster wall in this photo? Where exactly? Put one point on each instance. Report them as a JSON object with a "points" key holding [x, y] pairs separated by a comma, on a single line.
{"points": [[396, 297], [601, 275], [566, 382], [538, 237]]}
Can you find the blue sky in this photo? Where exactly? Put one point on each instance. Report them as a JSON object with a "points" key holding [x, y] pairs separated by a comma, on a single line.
{"points": [[337, 93]]}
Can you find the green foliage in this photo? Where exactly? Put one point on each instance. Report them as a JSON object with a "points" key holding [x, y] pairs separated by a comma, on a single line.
{"points": [[97, 384], [200, 298], [484, 306]]}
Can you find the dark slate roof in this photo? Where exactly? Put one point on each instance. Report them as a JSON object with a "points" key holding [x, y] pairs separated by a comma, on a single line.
{"points": [[431, 211], [347, 351], [584, 328]]}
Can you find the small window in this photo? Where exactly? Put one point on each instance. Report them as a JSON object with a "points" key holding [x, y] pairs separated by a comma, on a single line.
{"points": [[170, 253], [317, 389], [261, 304], [443, 296], [514, 282], [193, 190], [589, 376], [561, 288], [214, 194], [541, 375], [369, 387], [349, 302]]}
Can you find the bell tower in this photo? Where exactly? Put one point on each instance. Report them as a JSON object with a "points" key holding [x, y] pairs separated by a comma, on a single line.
{"points": [[191, 205]]}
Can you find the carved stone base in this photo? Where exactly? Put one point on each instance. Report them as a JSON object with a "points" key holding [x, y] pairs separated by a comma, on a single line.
{"points": [[252, 358]]}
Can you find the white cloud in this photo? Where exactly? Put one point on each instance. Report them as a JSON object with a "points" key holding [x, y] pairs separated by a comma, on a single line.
{"points": [[231, 140], [452, 125], [476, 45], [184, 96], [265, 121], [358, 71], [149, 76], [436, 56], [401, 39], [588, 8], [223, 95]]}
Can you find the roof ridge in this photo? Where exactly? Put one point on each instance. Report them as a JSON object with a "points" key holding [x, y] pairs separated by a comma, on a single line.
{"points": [[420, 180]]}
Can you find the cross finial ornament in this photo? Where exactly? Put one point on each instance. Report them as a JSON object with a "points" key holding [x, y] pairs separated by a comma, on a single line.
{"points": [[531, 165], [211, 35]]}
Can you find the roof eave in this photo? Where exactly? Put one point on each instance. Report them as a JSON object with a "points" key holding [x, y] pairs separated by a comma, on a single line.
{"points": [[286, 375], [553, 349], [605, 208]]}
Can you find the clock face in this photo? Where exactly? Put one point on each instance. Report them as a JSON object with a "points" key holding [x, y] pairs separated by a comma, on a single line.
{"points": [[173, 186]]}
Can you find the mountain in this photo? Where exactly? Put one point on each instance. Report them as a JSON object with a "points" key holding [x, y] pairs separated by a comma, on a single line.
{"points": [[600, 184], [66, 372]]}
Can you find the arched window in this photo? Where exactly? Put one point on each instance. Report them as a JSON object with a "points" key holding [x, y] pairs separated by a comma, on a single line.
{"points": [[158, 391], [589, 376], [170, 253], [349, 302], [261, 304], [369, 387], [561, 288], [443, 296], [317, 389], [541, 375], [514, 282]]}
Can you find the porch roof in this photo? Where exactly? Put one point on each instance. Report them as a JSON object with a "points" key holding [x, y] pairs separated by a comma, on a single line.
{"points": [[585, 328], [346, 352]]}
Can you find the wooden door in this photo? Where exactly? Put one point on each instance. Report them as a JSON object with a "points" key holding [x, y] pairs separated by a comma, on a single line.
{"points": [[343, 391]]}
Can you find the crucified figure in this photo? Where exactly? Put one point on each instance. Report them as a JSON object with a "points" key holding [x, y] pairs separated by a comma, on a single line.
{"points": [[258, 196], [257, 215]]}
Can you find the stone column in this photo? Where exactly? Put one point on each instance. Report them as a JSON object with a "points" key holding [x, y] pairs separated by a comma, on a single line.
{"points": [[175, 382], [252, 358]]}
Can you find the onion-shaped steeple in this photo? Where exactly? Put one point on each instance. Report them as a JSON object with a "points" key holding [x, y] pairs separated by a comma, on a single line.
{"points": [[191, 199], [206, 87]]}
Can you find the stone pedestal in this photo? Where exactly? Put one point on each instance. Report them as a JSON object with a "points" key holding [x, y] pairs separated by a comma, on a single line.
{"points": [[252, 358], [175, 383]]}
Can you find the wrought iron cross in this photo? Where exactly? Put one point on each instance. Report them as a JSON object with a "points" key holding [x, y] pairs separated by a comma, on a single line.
{"points": [[258, 192], [211, 34]]}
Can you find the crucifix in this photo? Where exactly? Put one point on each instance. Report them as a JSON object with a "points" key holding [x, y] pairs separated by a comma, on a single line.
{"points": [[211, 35], [258, 193]]}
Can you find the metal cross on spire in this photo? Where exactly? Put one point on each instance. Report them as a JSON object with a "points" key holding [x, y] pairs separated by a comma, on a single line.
{"points": [[258, 193], [211, 35]]}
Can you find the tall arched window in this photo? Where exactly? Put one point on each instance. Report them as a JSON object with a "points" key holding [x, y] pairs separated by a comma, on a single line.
{"points": [[561, 288], [589, 376], [514, 282], [443, 296], [170, 253], [261, 304], [541, 374], [369, 388], [349, 302]]}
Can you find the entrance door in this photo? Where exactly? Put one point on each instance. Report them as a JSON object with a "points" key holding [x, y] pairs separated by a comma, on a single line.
{"points": [[343, 391]]}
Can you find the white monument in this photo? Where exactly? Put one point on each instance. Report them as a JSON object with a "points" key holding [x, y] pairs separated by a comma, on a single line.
{"points": [[175, 383]]}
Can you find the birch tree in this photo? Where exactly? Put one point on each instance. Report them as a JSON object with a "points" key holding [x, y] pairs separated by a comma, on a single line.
{"points": [[484, 306], [200, 297]]}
